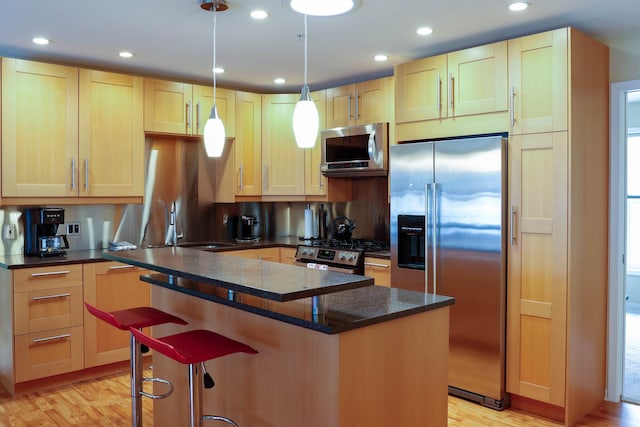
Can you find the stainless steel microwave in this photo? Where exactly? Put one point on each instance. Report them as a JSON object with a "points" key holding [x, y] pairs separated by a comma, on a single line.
{"points": [[355, 150]]}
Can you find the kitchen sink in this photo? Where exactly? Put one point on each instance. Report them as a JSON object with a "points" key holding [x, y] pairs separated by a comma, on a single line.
{"points": [[206, 245]]}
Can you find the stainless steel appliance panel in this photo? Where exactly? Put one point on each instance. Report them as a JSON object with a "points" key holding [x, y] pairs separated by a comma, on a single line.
{"points": [[464, 203]]}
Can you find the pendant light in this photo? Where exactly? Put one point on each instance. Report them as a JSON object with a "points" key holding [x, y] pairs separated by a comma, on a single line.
{"points": [[305, 115], [214, 128]]}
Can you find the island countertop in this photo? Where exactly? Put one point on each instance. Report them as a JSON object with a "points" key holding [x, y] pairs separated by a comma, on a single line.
{"points": [[273, 281]]}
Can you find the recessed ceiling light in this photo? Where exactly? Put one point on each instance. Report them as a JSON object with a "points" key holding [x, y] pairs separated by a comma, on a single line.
{"points": [[518, 6], [424, 31], [259, 14], [40, 40], [218, 70], [125, 54], [279, 80], [381, 57], [322, 8]]}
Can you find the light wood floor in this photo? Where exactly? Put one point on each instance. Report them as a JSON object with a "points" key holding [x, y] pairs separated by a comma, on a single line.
{"points": [[105, 402]]}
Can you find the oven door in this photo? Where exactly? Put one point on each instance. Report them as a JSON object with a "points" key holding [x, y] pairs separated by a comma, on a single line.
{"points": [[321, 266]]}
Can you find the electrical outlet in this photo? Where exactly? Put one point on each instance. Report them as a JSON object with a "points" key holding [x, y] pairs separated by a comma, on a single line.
{"points": [[73, 229], [9, 231]]}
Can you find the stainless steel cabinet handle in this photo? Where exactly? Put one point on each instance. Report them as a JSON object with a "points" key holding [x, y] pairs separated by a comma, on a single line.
{"points": [[439, 94], [514, 212], [357, 109], [241, 176], [198, 116], [188, 115], [55, 337], [349, 108], [375, 264], [86, 174], [51, 297], [73, 173], [450, 93], [51, 273], [513, 105], [320, 176], [121, 267]]}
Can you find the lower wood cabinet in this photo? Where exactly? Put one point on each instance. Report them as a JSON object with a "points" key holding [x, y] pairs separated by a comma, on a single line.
{"points": [[110, 286], [379, 269]]}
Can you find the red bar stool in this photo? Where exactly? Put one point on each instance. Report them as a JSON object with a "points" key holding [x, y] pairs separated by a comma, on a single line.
{"points": [[193, 348], [135, 319]]}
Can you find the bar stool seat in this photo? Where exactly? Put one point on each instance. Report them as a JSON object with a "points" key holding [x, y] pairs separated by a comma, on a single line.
{"points": [[135, 319], [193, 348]]}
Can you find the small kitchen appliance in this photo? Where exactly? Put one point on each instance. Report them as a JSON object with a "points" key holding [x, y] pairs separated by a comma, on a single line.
{"points": [[41, 227], [247, 225]]}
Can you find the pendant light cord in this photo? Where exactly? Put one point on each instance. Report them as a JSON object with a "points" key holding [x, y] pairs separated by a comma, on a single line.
{"points": [[215, 11], [306, 47]]}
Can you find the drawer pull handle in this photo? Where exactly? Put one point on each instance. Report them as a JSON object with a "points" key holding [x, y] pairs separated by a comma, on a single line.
{"points": [[51, 297], [55, 337], [120, 267], [375, 264], [51, 273]]}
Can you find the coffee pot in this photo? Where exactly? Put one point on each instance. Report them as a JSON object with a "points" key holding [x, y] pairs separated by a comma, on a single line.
{"points": [[247, 228], [41, 227]]}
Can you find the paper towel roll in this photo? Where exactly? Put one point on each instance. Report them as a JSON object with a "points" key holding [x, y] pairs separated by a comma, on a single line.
{"points": [[308, 223]]}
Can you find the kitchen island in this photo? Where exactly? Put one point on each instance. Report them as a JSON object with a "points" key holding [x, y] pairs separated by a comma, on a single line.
{"points": [[334, 350]]}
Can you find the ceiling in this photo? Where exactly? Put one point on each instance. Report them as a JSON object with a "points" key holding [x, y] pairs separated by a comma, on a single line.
{"points": [[174, 38]]}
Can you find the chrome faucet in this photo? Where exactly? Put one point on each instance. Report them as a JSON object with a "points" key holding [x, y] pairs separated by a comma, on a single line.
{"points": [[172, 233]]}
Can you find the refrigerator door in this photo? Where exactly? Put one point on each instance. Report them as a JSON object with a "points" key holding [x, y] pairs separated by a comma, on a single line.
{"points": [[410, 170], [470, 251]]}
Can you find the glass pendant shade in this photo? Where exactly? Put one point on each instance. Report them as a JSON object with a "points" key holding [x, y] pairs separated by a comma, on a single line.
{"points": [[214, 134], [305, 120], [321, 7]]}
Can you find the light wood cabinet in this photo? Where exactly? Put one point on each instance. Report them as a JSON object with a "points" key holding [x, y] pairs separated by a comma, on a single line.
{"points": [[248, 144], [48, 321], [110, 286], [88, 142], [315, 184], [538, 76], [183, 108], [379, 269], [558, 196], [111, 147], [264, 254], [39, 160], [361, 103], [282, 160], [288, 256]]}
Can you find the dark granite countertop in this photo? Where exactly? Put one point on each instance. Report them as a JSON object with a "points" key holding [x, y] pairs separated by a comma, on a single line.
{"points": [[337, 312], [270, 280]]}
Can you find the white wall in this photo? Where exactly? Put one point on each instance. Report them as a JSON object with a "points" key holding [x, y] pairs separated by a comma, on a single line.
{"points": [[624, 59]]}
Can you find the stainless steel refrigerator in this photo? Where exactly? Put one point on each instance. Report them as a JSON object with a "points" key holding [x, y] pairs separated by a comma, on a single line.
{"points": [[448, 212]]}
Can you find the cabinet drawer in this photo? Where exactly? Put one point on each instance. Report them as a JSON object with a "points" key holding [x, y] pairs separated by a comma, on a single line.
{"points": [[44, 354], [47, 309], [40, 278]]}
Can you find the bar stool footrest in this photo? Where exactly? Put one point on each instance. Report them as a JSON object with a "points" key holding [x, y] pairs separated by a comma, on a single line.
{"points": [[157, 396], [218, 418]]}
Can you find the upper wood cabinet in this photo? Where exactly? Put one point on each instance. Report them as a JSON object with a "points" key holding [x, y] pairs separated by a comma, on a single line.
{"points": [[87, 139], [282, 160], [538, 76], [248, 144], [467, 82], [361, 103], [182, 108], [315, 184]]}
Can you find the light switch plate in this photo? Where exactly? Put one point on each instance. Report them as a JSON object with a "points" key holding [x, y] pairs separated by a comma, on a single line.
{"points": [[9, 232]]}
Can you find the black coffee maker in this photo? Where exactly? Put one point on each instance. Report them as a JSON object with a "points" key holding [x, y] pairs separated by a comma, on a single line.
{"points": [[41, 226]]}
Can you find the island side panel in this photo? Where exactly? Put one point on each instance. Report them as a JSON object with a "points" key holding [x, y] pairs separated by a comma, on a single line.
{"points": [[7, 378], [395, 373]]}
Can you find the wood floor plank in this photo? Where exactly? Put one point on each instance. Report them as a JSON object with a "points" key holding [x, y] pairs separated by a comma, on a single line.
{"points": [[105, 402]]}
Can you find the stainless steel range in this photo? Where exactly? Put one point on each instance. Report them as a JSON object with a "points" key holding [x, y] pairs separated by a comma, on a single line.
{"points": [[346, 256]]}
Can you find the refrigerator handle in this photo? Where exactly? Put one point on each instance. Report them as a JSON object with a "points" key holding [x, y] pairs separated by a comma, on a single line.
{"points": [[514, 212], [427, 192], [434, 236]]}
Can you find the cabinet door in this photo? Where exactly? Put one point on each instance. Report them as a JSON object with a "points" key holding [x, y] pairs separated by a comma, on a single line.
{"points": [[110, 286], [167, 107], [248, 144], [225, 102], [288, 256], [111, 149], [379, 269], [538, 78], [373, 101], [39, 129], [282, 160], [478, 80], [340, 106], [315, 184], [419, 92], [537, 283]]}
